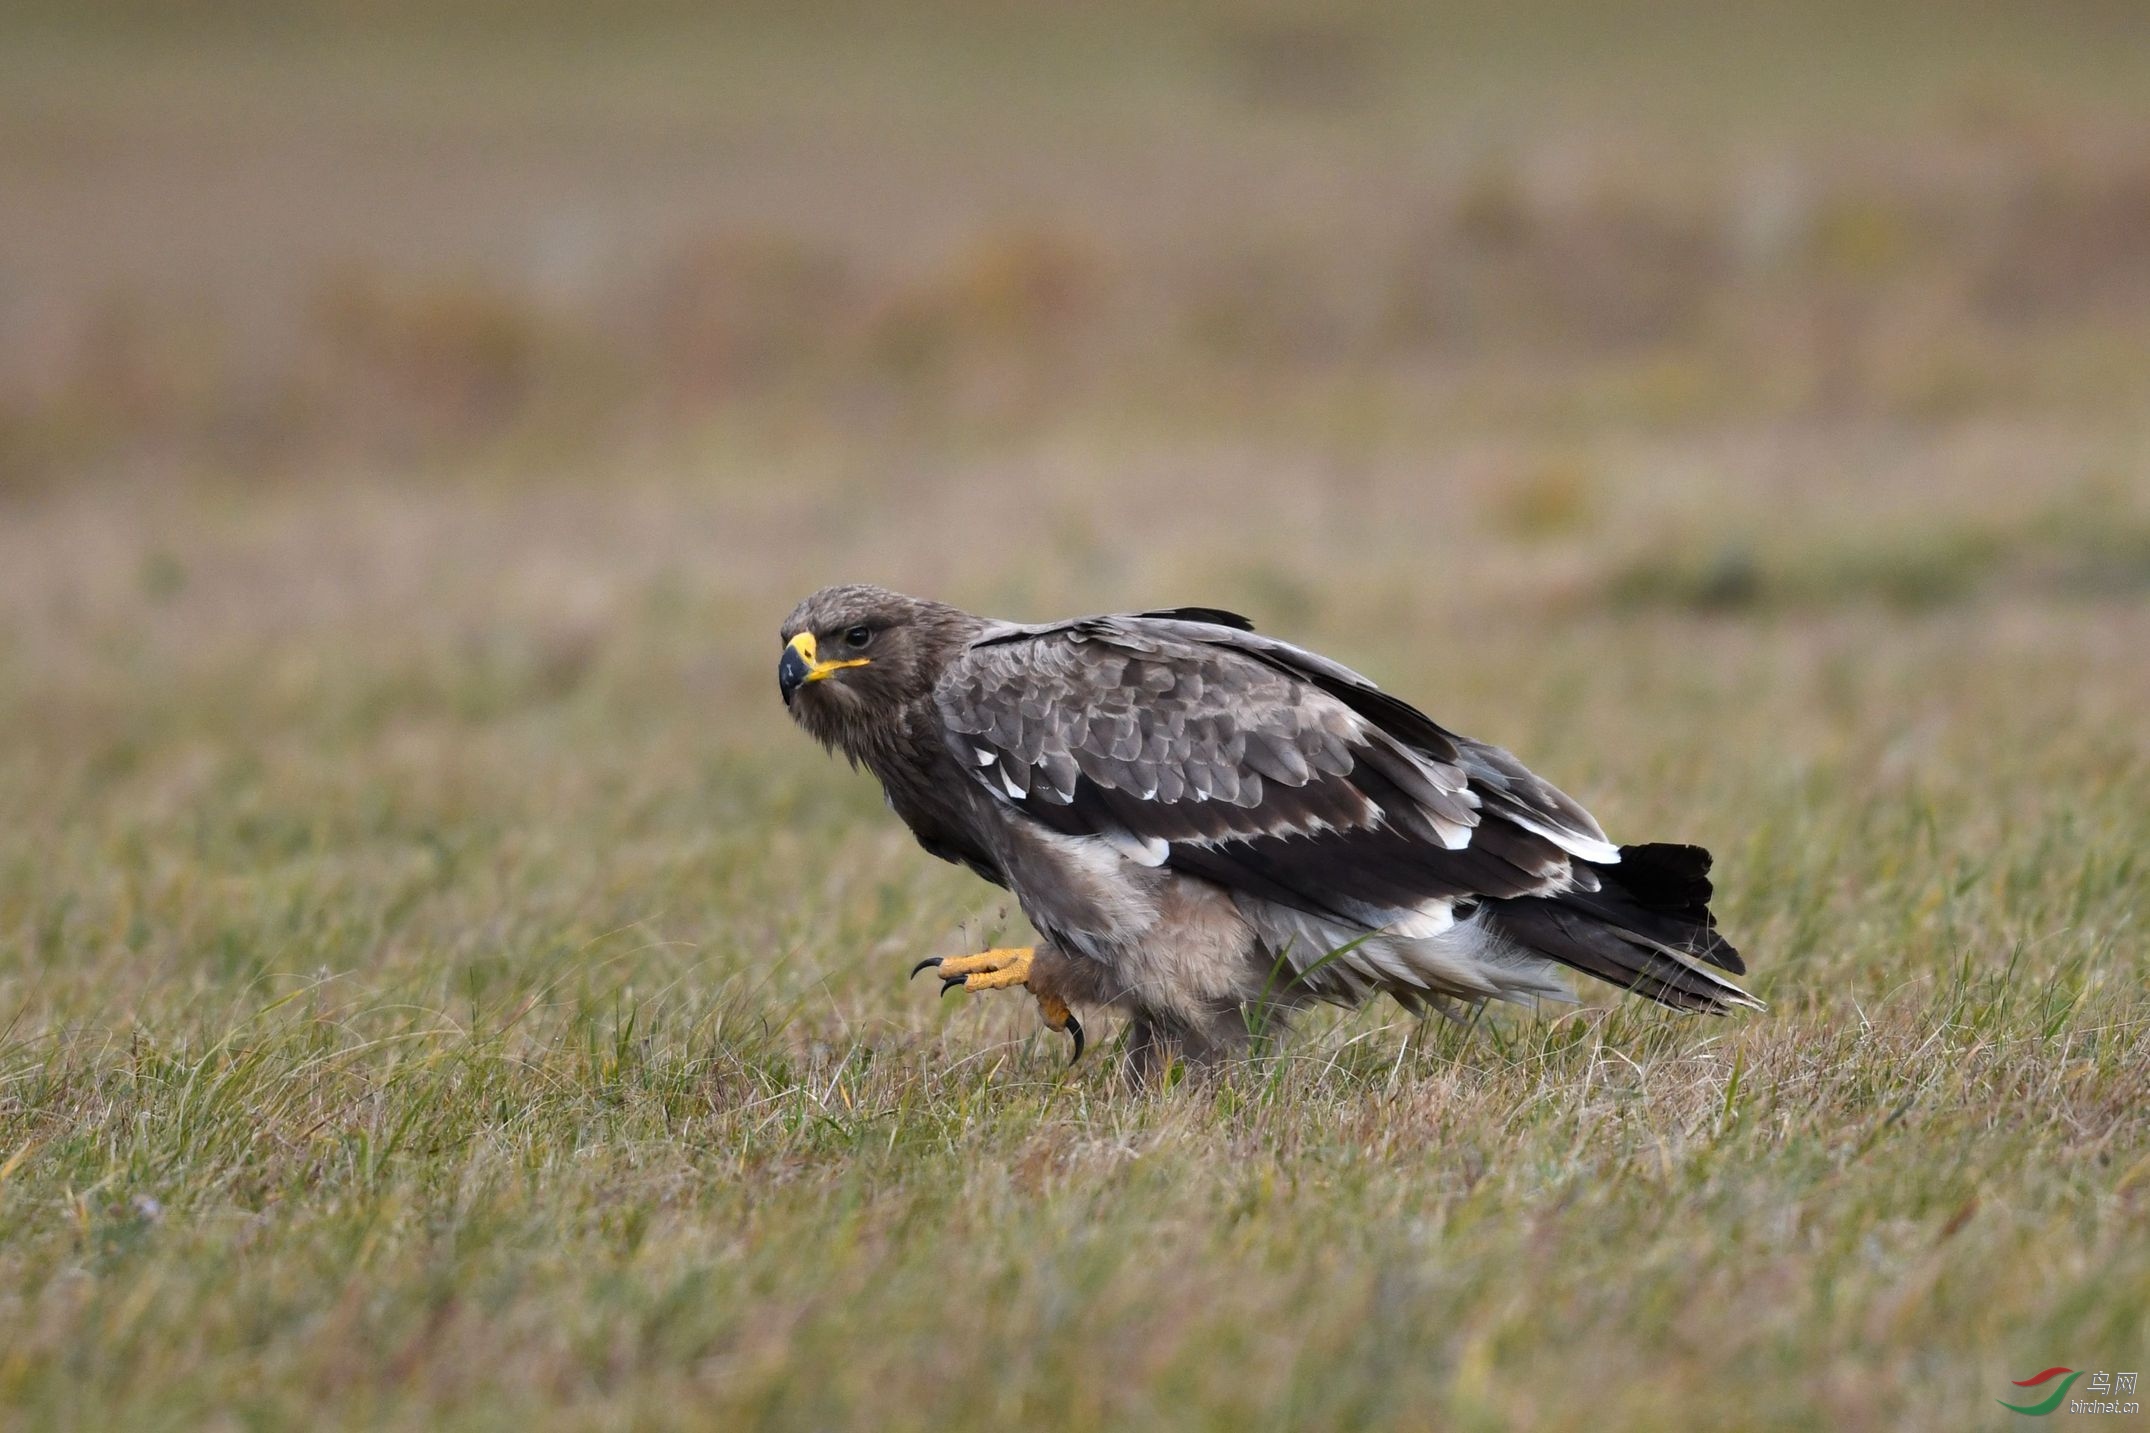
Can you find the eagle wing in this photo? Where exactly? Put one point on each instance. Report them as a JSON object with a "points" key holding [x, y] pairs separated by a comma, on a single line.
{"points": [[1189, 741]]}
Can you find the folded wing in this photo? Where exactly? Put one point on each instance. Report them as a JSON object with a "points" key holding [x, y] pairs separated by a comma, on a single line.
{"points": [[1188, 741]]}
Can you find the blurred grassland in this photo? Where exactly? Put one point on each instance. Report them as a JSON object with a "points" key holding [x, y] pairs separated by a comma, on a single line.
{"points": [[438, 986]]}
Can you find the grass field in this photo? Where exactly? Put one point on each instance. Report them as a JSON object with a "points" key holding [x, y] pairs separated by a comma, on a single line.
{"points": [[438, 986]]}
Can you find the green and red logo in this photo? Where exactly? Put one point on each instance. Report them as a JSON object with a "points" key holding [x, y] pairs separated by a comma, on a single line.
{"points": [[2041, 1409]]}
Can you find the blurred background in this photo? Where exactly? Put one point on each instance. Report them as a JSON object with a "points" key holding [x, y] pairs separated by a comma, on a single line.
{"points": [[392, 372], [1049, 303]]}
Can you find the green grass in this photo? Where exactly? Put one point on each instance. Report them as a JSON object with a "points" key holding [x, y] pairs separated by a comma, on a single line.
{"points": [[413, 1036], [439, 987]]}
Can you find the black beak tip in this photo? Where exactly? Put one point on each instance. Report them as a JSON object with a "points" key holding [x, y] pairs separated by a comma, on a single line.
{"points": [[790, 674], [1075, 1029]]}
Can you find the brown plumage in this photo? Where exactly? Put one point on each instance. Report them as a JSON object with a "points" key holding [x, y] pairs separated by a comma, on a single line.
{"points": [[1199, 820]]}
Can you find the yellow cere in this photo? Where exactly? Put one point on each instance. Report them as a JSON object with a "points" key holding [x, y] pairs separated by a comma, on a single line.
{"points": [[816, 669]]}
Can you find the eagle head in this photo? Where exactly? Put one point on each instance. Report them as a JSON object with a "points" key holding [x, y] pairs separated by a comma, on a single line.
{"points": [[857, 657]]}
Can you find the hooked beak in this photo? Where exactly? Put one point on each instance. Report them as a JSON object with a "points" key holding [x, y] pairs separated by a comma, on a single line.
{"points": [[801, 664]]}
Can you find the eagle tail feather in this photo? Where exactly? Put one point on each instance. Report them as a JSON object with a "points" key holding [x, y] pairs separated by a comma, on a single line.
{"points": [[1644, 929]]}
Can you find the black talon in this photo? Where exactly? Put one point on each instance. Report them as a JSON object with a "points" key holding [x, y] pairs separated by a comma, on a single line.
{"points": [[927, 964], [953, 982], [1075, 1029]]}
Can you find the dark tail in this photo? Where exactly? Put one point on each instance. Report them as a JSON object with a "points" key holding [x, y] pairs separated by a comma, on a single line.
{"points": [[1644, 929]]}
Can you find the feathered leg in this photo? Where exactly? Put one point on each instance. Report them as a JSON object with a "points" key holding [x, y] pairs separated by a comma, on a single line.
{"points": [[1155, 1040], [1150, 1050]]}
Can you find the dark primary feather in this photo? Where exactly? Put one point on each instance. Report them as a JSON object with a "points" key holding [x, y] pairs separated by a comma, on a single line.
{"points": [[1662, 892], [1559, 928]]}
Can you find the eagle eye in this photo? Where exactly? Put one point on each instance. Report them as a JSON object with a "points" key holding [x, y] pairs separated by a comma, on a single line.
{"points": [[857, 636]]}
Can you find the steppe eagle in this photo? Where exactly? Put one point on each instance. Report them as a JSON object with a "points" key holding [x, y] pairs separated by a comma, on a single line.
{"points": [[1200, 821]]}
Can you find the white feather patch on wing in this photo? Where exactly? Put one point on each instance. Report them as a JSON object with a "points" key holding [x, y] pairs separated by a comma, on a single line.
{"points": [[1588, 848]]}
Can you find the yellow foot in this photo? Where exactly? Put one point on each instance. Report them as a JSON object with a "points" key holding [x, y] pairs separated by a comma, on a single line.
{"points": [[988, 970], [1003, 970]]}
